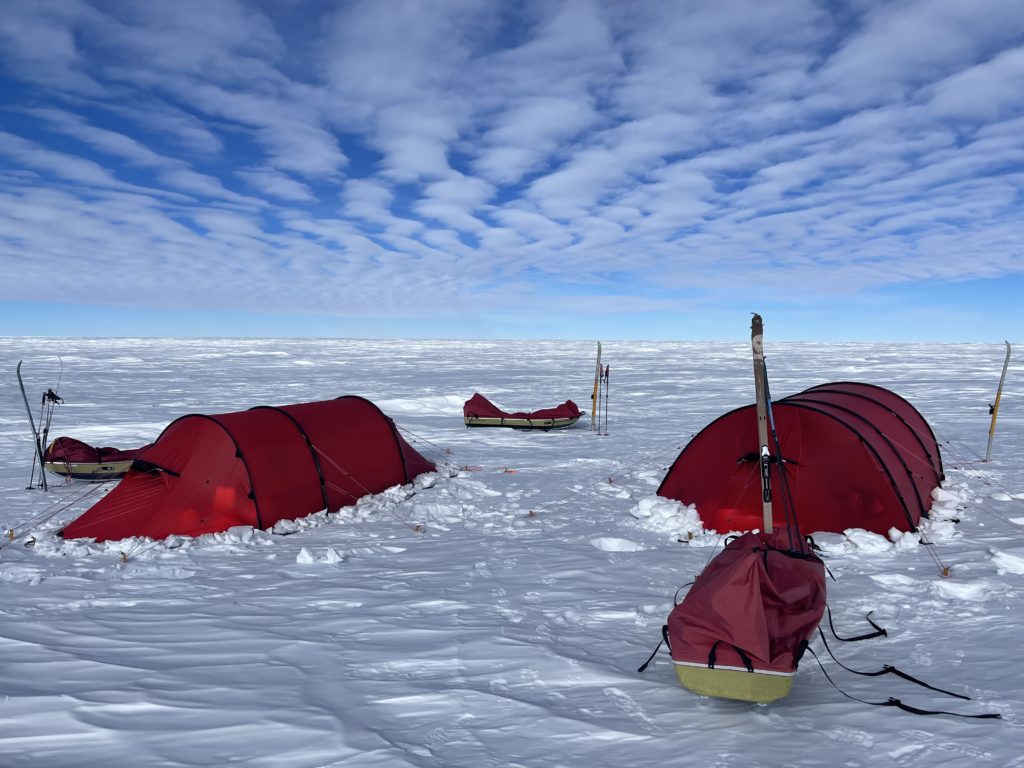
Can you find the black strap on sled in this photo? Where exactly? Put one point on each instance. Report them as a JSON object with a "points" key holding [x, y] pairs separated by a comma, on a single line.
{"points": [[675, 597], [743, 656], [879, 632], [665, 640], [888, 669], [893, 702]]}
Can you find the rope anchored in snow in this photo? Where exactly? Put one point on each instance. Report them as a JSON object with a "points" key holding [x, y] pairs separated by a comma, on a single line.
{"points": [[894, 702]]}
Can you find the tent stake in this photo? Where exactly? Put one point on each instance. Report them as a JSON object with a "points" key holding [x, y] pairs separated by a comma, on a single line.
{"points": [[994, 408]]}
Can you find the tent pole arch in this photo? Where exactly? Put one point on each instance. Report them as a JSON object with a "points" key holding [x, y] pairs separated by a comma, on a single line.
{"points": [[394, 432], [881, 434], [874, 453], [935, 458], [309, 446], [835, 386]]}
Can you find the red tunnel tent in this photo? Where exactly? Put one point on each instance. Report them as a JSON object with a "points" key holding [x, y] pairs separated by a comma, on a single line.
{"points": [[207, 473], [856, 456]]}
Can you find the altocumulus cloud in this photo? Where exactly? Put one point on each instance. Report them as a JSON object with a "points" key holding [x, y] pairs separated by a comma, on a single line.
{"points": [[458, 159]]}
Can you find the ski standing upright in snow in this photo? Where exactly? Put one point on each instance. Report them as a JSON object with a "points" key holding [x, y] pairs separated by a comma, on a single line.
{"points": [[994, 408], [757, 344], [35, 437]]}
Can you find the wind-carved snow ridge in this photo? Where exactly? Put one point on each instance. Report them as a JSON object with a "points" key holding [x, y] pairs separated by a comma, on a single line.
{"points": [[327, 555], [1006, 496], [1008, 560]]}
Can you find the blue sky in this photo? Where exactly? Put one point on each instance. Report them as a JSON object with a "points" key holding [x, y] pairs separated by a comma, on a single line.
{"points": [[466, 169]]}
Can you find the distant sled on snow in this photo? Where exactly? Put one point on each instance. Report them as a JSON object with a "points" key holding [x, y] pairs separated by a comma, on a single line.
{"points": [[76, 460], [478, 411]]}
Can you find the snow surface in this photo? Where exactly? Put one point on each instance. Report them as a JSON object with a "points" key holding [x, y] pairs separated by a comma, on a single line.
{"points": [[494, 615]]}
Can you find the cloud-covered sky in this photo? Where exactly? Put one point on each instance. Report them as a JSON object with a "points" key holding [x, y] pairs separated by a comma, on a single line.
{"points": [[565, 169]]}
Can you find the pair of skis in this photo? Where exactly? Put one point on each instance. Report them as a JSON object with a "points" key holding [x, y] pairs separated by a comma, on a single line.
{"points": [[601, 376]]}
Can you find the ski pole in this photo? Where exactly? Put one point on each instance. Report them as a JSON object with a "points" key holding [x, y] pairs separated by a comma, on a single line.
{"points": [[50, 400], [607, 371], [41, 435], [994, 408]]}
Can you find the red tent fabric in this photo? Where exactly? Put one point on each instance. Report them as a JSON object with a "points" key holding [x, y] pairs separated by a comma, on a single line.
{"points": [[856, 456], [207, 473], [480, 407], [753, 597]]}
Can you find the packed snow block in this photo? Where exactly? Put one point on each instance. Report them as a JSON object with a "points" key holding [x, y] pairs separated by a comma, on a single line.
{"points": [[207, 473], [854, 455]]}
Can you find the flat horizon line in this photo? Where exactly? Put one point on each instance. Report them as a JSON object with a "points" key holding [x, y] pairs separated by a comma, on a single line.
{"points": [[500, 339]]}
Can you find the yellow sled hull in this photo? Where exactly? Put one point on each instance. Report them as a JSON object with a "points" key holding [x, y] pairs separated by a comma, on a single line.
{"points": [[89, 471], [722, 683], [541, 424]]}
